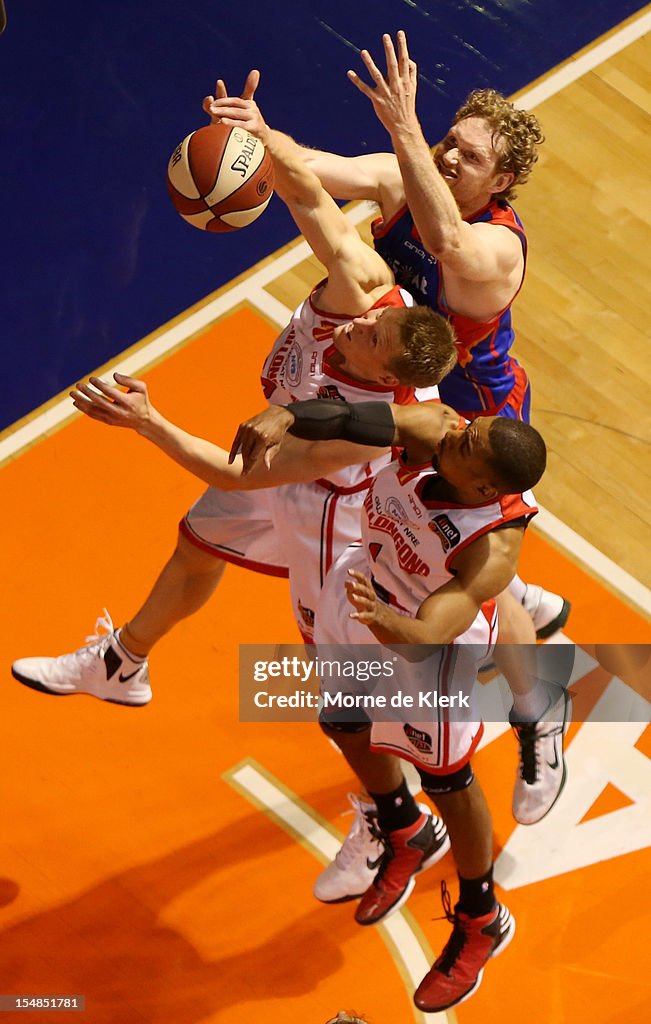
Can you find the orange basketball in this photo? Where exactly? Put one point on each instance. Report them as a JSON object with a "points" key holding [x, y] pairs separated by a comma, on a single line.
{"points": [[220, 178]]}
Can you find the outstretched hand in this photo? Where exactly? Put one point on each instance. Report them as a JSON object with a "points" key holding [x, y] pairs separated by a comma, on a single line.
{"points": [[112, 405], [260, 437], [393, 97], [221, 93]]}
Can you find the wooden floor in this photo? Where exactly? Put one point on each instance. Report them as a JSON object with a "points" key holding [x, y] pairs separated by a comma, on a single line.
{"points": [[583, 318], [160, 860]]}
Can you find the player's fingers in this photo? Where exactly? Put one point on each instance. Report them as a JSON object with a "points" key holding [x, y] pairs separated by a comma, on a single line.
{"points": [[107, 389], [93, 396], [251, 84], [228, 108], [270, 455], [220, 89], [371, 67], [403, 54], [390, 56], [248, 450], [359, 84], [235, 447], [82, 404], [132, 383]]}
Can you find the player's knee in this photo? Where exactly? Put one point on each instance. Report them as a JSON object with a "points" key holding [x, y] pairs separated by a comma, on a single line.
{"points": [[437, 786], [347, 735]]}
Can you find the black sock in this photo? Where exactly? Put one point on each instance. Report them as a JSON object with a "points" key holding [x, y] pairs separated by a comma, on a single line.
{"points": [[396, 810], [476, 895]]}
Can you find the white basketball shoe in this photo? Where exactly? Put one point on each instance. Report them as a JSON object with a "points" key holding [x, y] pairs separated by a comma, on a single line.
{"points": [[542, 771], [103, 669], [356, 864], [549, 612]]}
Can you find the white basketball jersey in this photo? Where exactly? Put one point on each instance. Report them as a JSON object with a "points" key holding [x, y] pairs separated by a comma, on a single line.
{"points": [[412, 539], [298, 368]]}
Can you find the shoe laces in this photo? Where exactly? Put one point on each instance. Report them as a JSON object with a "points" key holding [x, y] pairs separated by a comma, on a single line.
{"points": [[104, 622], [529, 734], [459, 937], [364, 824]]}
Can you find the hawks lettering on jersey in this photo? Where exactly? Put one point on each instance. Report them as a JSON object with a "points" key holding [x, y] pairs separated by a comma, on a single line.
{"points": [[403, 540], [413, 540]]}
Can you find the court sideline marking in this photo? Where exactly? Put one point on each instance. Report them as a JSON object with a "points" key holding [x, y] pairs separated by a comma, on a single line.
{"points": [[401, 934], [165, 339]]}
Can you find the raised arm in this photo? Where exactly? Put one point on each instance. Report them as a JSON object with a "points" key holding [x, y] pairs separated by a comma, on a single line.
{"points": [[483, 570], [296, 461], [373, 176], [354, 268], [479, 252]]}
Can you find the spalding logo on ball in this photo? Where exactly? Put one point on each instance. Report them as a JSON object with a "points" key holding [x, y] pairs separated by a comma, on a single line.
{"points": [[220, 178]]}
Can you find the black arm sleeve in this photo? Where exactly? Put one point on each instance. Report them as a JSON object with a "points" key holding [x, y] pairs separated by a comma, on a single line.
{"points": [[327, 419]]}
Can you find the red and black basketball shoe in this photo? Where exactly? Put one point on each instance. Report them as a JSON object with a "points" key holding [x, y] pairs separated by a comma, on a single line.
{"points": [[458, 971], [407, 851]]}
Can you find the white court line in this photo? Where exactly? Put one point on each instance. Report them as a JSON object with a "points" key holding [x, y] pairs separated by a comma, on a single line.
{"points": [[598, 563], [576, 67], [403, 943], [250, 290]]}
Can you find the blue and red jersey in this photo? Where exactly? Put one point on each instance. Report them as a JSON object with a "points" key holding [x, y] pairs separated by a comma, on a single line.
{"points": [[486, 380]]}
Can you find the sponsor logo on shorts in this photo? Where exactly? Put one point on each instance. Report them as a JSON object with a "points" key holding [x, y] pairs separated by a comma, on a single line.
{"points": [[422, 741], [306, 614]]}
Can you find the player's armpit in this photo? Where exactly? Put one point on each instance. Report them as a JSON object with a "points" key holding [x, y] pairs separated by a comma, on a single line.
{"points": [[486, 567]]}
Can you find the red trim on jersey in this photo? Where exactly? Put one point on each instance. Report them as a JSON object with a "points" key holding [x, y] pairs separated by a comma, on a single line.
{"points": [[380, 227], [444, 681], [489, 611], [331, 513], [363, 485], [227, 556], [392, 297], [326, 314], [507, 516], [514, 400]]}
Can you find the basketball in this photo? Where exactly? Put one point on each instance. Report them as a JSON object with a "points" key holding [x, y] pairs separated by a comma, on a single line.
{"points": [[220, 178]]}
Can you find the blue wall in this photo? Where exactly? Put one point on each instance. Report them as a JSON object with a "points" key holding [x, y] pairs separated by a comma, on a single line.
{"points": [[94, 97]]}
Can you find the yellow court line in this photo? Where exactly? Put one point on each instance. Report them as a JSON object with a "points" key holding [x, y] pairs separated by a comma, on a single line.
{"points": [[403, 937]]}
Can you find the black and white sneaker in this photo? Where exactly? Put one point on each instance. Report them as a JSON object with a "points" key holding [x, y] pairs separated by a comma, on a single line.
{"points": [[103, 669], [542, 770]]}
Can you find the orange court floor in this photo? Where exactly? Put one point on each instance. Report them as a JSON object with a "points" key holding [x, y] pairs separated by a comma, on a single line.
{"points": [[141, 870]]}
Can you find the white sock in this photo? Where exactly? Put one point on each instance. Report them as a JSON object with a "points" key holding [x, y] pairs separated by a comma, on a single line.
{"points": [[137, 659], [531, 706], [518, 589]]}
